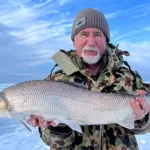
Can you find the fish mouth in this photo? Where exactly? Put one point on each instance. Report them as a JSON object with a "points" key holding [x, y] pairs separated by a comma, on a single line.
{"points": [[2, 103]]}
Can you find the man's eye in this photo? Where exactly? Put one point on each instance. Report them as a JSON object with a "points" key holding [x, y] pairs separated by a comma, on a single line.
{"points": [[84, 34], [98, 34]]}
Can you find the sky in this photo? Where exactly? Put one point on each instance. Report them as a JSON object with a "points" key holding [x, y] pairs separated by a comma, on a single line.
{"points": [[32, 31]]}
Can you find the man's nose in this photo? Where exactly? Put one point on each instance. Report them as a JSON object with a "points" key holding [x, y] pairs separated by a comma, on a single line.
{"points": [[91, 41]]}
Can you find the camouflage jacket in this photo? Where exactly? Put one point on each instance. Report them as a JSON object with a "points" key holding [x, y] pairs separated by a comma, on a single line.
{"points": [[114, 75]]}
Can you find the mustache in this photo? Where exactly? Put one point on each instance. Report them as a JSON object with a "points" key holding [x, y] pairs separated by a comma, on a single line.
{"points": [[93, 48]]}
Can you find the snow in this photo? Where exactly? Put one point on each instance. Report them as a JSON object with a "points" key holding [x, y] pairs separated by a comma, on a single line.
{"points": [[14, 136]]}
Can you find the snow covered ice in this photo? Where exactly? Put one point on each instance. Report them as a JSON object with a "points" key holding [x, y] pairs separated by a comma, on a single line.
{"points": [[14, 136]]}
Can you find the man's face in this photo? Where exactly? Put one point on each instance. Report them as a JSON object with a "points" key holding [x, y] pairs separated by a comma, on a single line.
{"points": [[90, 44]]}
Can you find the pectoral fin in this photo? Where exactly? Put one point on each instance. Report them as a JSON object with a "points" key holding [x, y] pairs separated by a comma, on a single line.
{"points": [[74, 125], [21, 121], [20, 118]]}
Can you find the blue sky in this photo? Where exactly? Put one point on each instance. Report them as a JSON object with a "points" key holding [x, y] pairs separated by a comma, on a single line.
{"points": [[31, 31]]}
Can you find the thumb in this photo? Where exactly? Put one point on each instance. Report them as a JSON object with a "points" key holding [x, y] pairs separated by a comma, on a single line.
{"points": [[42, 122], [33, 121]]}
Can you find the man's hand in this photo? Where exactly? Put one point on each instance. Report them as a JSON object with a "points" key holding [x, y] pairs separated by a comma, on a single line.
{"points": [[39, 121], [140, 106]]}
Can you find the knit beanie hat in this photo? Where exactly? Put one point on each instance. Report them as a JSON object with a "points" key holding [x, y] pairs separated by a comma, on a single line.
{"points": [[90, 18]]}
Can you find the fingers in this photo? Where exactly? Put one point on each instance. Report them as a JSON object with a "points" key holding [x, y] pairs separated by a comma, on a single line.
{"points": [[141, 92], [42, 122], [144, 105], [36, 121], [140, 107], [137, 110], [33, 121], [39, 121], [51, 123]]}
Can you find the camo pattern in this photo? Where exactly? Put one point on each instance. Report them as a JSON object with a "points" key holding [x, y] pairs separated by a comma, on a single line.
{"points": [[113, 76]]}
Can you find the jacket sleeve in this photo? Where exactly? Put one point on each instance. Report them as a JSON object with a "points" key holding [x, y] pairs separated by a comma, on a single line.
{"points": [[141, 126], [60, 137], [130, 81]]}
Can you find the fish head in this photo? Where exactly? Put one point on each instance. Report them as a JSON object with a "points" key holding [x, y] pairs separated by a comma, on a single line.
{"points": [[2, 103]]}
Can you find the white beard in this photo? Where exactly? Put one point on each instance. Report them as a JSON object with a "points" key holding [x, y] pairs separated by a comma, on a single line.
{"points": [[90, 59]]}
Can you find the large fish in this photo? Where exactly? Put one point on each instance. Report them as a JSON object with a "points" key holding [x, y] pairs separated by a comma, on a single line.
{"points": [[67, 104]]}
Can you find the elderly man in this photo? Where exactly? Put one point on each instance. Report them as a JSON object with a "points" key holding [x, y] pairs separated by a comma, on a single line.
{"points": [[99, 66]]}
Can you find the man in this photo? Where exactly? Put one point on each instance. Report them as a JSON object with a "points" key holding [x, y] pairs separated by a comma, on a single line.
{"points": [[98, 65]]}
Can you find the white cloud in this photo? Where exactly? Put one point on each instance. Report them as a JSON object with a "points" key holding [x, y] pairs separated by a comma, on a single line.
{"points": [[63, 2], [27, 74], [38, 28], [42, 4], [140, 15], [18, 18], [137, 33], [42, 31], [114, 33], [147, 28], [32, 31], [139, 58], [137, 11], [140, 52], [113, 15]]}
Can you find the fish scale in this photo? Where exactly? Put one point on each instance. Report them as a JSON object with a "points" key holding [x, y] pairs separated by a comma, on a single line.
{"points": [[64, 101]]}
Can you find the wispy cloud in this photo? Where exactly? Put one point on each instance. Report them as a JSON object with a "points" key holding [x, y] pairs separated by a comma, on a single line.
{"points": [[134, 34], [41, 3], [46, 31], [136, 49], [113, 15], [127, 35], [18, 18], [147, 28], [63, 2], [135, 12], [139, 9], [140, 15], [140, 56], [38, 32], [27, 74], [32, 31], [114, 34]]}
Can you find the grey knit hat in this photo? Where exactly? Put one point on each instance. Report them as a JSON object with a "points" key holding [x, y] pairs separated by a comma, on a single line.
{"points": [[90, 18]]}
